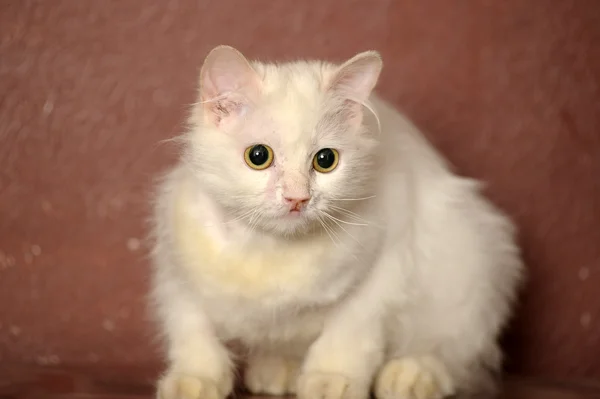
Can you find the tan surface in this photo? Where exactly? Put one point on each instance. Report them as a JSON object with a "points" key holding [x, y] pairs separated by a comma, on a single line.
{"points": [[507, 89], [115, 383]]}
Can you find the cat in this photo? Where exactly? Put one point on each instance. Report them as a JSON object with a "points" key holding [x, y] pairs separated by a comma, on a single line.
{"points": [[312, 223]]}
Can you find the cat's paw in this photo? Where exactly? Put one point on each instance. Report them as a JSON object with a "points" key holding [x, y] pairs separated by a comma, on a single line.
{"points": [[413, 378], [272, 375], [330, 386], [175, 386]]}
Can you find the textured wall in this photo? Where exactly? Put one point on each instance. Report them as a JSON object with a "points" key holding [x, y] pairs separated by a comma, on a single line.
{"points": [[508, 90]]}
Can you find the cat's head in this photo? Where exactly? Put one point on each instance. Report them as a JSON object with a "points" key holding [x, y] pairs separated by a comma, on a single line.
{"points": [[283, 146]]}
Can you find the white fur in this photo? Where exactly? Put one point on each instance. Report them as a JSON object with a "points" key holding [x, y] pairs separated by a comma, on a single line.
{"points": [[408, 287]]}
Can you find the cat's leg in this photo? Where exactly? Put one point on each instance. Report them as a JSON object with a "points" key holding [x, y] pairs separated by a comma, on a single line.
{"points": [[440, 354], [199, 365], [342, 361], [432, 377], [414, 377], [272, 372]]}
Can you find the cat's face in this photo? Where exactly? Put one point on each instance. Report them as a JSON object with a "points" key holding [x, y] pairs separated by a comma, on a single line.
{"points": [[287, 153]]}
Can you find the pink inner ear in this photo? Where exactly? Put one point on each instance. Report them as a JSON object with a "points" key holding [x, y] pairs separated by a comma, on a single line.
{"points": [[357, 77], [227, 83]]}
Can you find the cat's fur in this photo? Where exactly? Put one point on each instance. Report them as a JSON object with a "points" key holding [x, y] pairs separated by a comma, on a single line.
{"points": [[398, 275]]}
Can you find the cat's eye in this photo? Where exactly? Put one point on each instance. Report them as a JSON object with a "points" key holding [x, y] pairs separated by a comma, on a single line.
{"points": [[259, 156], [326, 160]]}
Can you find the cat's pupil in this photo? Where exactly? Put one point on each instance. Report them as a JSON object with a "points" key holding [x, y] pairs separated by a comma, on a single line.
{"points": [[259, 155], [325, 158]]}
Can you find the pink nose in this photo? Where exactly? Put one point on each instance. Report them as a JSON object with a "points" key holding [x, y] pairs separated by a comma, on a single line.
{"points": [[296, 203]]}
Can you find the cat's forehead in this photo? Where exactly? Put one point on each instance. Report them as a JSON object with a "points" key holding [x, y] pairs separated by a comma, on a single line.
{"points": [[293, 96], [305, 78]]}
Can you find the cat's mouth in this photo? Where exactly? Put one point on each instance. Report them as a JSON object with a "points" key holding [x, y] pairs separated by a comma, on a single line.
{"points": [[294, 213]]}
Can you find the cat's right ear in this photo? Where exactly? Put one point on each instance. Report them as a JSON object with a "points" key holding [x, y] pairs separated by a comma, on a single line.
{"points": [[228, 84], [356, 78], [353, 83]]}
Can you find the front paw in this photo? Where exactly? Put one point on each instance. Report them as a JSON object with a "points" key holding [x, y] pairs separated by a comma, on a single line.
{"points": [[330, 386], [413, 378], [272, 375], [180, 386]]}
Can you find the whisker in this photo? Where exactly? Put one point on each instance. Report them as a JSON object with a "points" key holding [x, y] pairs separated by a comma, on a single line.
{"points": [[344, 221], [349, 214], [254, 220], [354, 216], [347, 211], [324, 228], [176, 139], [336, 221], [328, 216], [327, 229], [235, 219], [352, 199], [241, 217]]}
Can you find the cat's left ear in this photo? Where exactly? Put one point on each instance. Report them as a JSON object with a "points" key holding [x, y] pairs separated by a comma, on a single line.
{"points": [[356, 78], [228, 84]]}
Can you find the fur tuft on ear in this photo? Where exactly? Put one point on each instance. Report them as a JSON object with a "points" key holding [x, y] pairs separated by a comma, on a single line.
{"points": [[356, 78], [228, 83]]}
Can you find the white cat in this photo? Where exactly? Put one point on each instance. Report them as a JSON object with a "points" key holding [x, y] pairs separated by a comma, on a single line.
{"points": [[315, 225]]}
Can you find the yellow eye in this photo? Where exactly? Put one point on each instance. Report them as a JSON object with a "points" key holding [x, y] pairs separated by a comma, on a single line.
{"points": [[259, 156], [326, 160]]}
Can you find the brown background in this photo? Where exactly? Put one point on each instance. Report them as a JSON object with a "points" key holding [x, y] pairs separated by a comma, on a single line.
{"points": [[508, 90]]}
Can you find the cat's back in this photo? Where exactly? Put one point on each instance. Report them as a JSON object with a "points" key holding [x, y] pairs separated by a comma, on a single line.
{"points": [[403, 142], [457, 224]]}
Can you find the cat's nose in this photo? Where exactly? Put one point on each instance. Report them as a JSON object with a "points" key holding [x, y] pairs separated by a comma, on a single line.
{"points": [[296, 203]]}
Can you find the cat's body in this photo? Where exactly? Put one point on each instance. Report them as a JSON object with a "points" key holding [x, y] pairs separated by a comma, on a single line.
{"points": [[391, 268]]}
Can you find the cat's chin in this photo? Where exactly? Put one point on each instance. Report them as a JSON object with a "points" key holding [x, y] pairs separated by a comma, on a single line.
{"points": [[291, 224]]}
